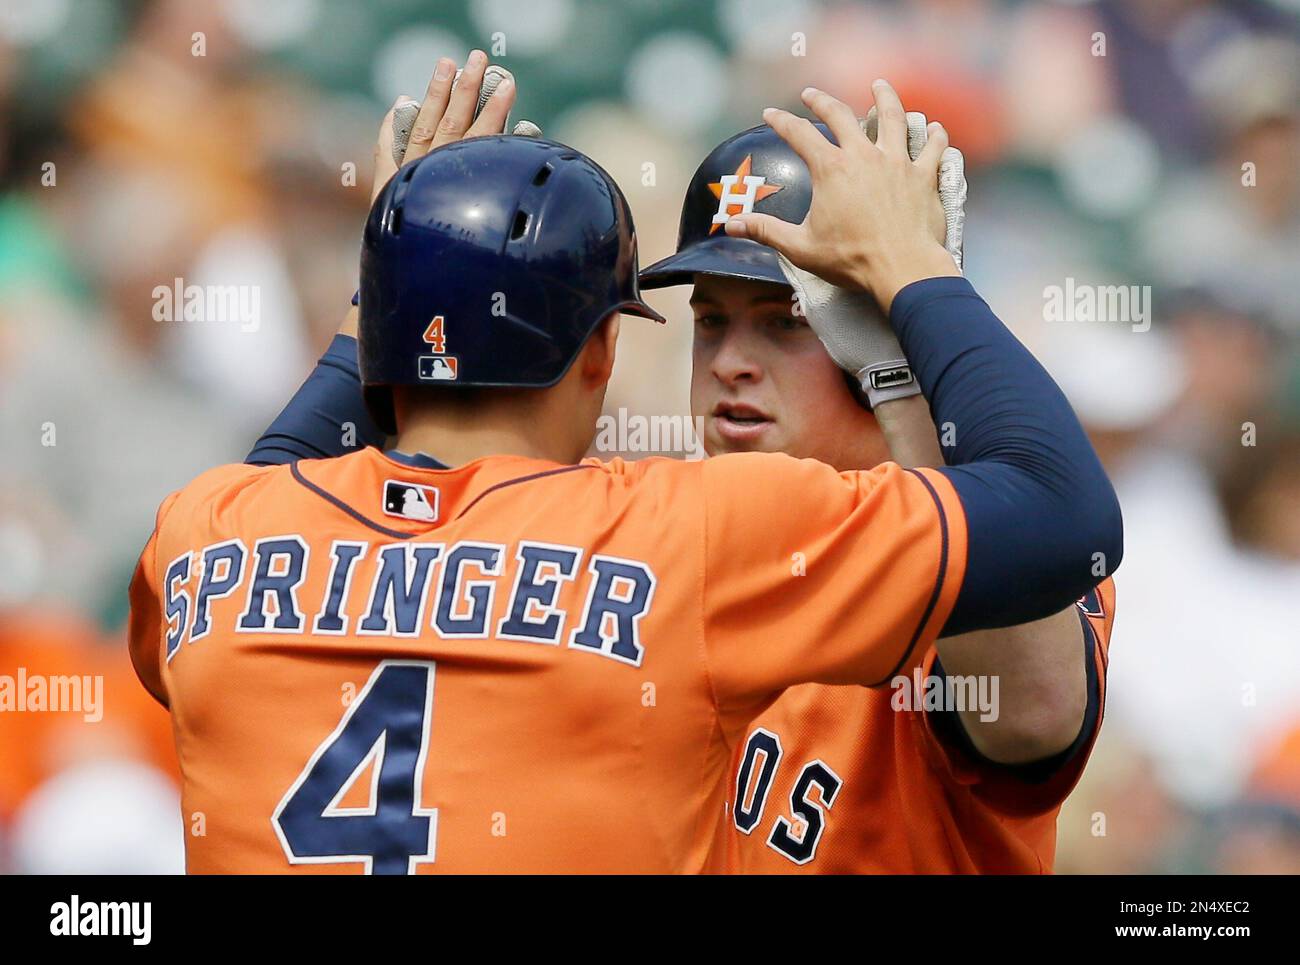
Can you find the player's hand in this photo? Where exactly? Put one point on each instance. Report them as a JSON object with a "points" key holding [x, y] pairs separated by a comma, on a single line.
{"points": [[446, 114], [949, 219], [848, 322], [871, 222]]}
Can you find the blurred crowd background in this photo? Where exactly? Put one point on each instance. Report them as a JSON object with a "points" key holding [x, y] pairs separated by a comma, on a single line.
{"points": [[211, 140]]}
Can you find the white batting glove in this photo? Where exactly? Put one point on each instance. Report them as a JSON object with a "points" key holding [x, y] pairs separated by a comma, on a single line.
{"points": [[856, 334]]}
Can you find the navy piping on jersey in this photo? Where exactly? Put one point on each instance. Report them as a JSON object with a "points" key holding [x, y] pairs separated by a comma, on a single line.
{"points": [[340, 504], [522, 479], [938, 581], [420, 460]]}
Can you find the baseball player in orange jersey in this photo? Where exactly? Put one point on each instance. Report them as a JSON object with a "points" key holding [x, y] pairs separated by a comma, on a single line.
{"points": [[838, 779], [515, 660]]}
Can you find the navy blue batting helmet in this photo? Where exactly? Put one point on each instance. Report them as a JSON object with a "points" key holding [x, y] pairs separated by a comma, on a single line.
{"points": [[753, 171], [489, 262]]}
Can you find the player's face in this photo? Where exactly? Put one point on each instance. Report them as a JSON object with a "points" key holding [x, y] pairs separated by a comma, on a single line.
{"points": [[762, 380]]}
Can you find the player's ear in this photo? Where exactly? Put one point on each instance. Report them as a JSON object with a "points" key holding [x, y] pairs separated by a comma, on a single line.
{"points": [[598, 354], [610, 332]]}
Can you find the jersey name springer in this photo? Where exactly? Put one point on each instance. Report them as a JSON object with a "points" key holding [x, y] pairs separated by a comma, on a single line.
{"points": [[412, 588]]}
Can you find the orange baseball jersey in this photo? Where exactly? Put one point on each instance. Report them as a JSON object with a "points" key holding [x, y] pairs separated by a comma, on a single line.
{"points": [[513, 665], [835, 780]]}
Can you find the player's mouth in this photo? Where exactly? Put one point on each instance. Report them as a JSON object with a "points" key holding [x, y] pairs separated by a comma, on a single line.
{"points": [[737, 422]]}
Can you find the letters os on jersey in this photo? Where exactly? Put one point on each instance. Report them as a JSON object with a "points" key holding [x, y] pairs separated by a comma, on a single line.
{"points": [[836, 780], [513, 665]]}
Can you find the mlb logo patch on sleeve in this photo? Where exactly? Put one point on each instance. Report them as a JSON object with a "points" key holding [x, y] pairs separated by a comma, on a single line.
{"points": [[410, 500]]}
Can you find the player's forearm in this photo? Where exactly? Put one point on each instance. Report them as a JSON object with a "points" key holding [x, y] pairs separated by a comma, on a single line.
{"points": [[909, 432], [1042, 517], [327, 415]]}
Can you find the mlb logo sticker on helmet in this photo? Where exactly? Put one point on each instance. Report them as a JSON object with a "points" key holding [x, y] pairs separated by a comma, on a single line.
{"points": [[439, 368], [410, 500]]}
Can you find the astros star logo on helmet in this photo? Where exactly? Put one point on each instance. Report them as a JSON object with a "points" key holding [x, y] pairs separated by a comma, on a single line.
{"points": [[738, 193]]}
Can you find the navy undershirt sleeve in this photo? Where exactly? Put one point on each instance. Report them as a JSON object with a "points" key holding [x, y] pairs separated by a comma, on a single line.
{"points": [[1042, 520], [314, 425]]}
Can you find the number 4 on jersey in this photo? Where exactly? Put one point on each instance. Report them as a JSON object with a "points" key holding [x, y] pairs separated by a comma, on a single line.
{"points": [[385, 729]]}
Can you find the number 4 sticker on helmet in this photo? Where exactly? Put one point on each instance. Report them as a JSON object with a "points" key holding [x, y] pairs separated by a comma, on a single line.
{"points": [[435, 336]]}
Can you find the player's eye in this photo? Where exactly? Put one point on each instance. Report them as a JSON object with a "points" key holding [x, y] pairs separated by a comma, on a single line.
{"points": [[710, 321], [787, 323]]}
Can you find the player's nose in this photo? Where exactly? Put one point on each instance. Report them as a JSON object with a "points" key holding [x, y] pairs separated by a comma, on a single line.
{"points": [[736, 359]]}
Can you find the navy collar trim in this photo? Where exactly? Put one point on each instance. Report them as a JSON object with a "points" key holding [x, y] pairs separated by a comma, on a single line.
{"points": [[419, 460]]}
